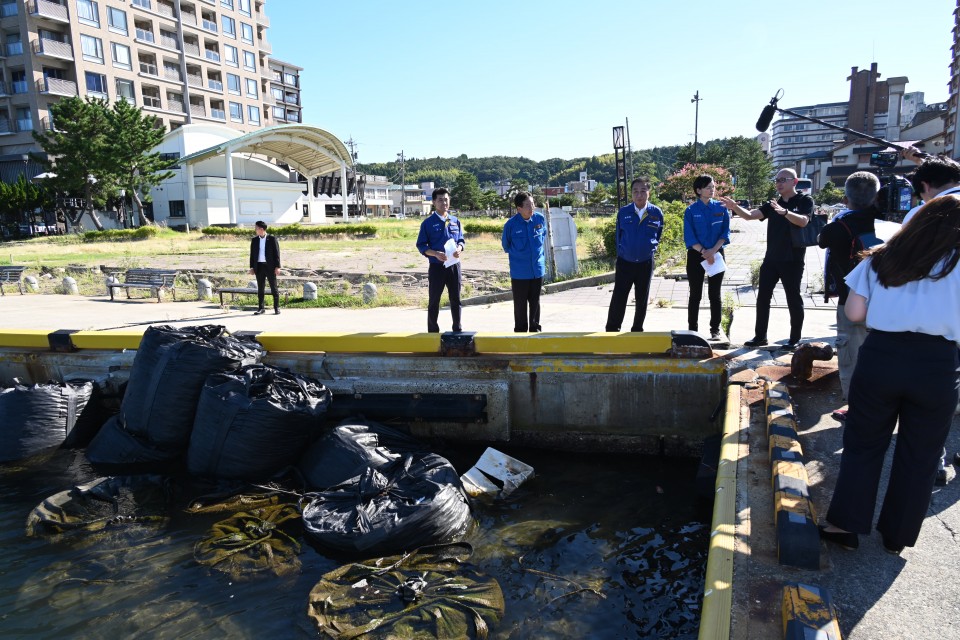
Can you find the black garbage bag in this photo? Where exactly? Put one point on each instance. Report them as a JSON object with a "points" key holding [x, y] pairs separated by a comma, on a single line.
{"points": [[409, 503], [430, 593], [104, 503], [253, 423], [115, 445], [253, 542], [33, 418], [167, 377], [350, 448]]}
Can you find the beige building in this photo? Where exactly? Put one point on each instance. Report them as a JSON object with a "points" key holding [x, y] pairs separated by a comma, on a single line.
{"points": [[183, 61]]}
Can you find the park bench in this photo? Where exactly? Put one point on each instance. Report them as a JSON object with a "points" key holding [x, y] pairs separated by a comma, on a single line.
{"points": [[250, 291], [11, 274], [153, 279]]}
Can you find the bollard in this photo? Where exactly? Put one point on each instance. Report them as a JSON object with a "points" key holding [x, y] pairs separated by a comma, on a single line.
{"points": [[204, 289], [32, 283], [70, 286], [309, 291], [369, 292]]}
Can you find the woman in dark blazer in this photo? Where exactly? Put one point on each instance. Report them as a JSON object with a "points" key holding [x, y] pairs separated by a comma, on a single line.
{"points": [[265, 264]]}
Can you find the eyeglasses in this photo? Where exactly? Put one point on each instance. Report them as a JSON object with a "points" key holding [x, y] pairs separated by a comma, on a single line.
{"points": [[782, 180]]}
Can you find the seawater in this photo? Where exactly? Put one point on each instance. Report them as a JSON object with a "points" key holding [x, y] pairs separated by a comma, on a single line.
{"points": [[596, 546]]}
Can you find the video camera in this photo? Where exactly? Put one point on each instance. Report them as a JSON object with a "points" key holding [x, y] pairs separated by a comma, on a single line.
{"points": [[884, 158], [895, 197]]}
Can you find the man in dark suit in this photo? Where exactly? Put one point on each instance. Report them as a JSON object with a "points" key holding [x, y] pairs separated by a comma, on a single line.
{"points": [[265, 264]]}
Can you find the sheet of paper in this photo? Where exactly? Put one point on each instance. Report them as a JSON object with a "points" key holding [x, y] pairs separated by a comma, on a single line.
{"points": [[449, 247], [718, 266]]}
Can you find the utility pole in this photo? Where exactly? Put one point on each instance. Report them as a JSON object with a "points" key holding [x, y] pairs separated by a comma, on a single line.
{"points": [[403, 188], [696, 120], [353, 152]]}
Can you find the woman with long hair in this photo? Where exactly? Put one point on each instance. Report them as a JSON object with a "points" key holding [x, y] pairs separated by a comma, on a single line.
{"points": [[706, 230], [908, 371]]}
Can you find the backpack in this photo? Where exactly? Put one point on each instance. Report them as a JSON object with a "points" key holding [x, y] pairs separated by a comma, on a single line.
{"points": [[858, 243]]}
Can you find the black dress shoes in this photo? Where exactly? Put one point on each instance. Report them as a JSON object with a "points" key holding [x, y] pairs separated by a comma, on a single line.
{"points": [[258, 312], [845, 539]]}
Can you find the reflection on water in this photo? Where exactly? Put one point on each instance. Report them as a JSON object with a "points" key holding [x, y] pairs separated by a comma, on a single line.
{"points": [[596, 546]]}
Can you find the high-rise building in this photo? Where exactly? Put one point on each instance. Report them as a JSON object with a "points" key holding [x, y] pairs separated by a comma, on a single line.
{"points": [[183, 61], [953, 102]]}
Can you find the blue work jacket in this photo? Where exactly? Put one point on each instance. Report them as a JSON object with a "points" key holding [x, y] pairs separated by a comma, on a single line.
{"points": [[434, 233], [638, 235], [524, 240], [705, 224]]}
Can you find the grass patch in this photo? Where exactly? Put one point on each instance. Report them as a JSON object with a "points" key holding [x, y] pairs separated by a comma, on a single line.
{"points": [[124, 235], [296, 230]]}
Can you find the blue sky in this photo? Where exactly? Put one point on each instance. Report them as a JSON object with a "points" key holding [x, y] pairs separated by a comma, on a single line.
{"points": [[548, 79]]}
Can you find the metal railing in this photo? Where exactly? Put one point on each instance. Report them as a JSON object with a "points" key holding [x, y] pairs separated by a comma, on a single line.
{"points": [[5, 126], [192, 49], [8, 9], [198, 110], [169, 42], [14, 48], [19, 86], [145, 4], [208, 25], [3, 89], [53, 48], [151, 101], [194, 80], [24, 124], [47, 9], [188, 18], [57, 86], [172, 74], [219, 114], [144, 35], [149, 69], [166, 10], [211, 55], [216, 85], [175, 105]]}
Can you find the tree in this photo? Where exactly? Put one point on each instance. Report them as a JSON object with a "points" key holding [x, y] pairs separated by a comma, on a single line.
{"points": [[679, 186], [465, 194], [828, 194], [79, 148], [134, 164], [598, 196], [750, 165]]}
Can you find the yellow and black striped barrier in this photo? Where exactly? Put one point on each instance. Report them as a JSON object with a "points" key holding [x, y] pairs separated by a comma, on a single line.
{"points": [[808, 613], [798, 539]]}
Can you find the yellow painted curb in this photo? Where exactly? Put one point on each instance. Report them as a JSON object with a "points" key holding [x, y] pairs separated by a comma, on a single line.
{"points": [[718, 584], [112, 339], [352, 342], [29, 338], [599, 342]]}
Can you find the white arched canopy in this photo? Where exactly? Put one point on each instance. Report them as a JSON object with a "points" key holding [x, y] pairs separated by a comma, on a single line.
{"points": [[309, 150]]}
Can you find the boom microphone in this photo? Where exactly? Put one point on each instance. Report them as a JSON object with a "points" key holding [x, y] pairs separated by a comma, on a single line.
{"points": [[766, 116]]}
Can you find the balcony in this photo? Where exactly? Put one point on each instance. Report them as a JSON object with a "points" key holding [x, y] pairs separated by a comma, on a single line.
{"points": [[57, 87], [262, 19], [216, 85], [209, 25], [5, 127], [189, 18], [149, 69], [3, 90], [8, 9], [142, 35], [143, 4], [52, 49], [19, 86], [194, 80], [191, 49], [24, 124], [166, 11], [151, 101], [264, 46], [172, 74], [198, 110], [49, 10], [218, 114], [14, 48], [211, 55], [169, 42], [175, 106]]}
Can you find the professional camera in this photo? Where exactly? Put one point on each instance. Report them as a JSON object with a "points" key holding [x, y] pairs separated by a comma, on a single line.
{"points": [[895, 197], [884, 158]]}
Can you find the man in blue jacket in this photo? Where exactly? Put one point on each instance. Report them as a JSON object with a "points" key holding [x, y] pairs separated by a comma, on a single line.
{"points": [[435, 231], [523, 239], [639, 227]]}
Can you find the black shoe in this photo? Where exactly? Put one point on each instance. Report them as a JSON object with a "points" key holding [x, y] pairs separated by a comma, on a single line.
{"points": [[258, 312], [715, 334], [791, 346], [845, 539], [890, 548], [276, 312], [758, 341]]}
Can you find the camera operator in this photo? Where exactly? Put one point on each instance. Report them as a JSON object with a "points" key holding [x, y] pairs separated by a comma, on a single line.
{"points": [[936, 176]]}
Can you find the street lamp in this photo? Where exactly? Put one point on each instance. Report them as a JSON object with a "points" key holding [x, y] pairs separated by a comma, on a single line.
{"points": [[696, 118]]}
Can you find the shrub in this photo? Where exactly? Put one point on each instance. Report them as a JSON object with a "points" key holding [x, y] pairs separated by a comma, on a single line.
{"points": [[295, 230], [671, 242], [483, 227], [113, 235]]}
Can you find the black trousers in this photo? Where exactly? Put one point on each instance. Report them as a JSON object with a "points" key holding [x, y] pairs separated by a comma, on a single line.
{"points": [[790, 273], [912, 377], [695, 275], [526, 293], [438, 277], [264, 273], [638, 276]]}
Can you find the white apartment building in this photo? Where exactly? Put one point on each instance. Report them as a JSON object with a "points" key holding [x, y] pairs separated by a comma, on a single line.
{"points": [[183, 61]]}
